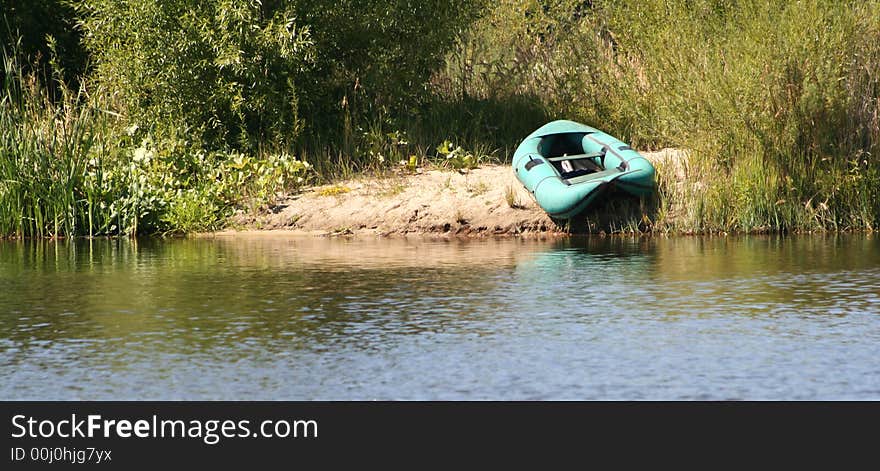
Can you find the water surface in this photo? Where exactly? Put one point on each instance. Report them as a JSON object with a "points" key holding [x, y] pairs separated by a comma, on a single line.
{"points": [[274, 317]]}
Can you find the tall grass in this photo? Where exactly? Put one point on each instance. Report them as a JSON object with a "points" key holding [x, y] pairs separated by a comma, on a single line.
{"points": [[68, 168], [776, 101], [44, 146], [777, 104]]}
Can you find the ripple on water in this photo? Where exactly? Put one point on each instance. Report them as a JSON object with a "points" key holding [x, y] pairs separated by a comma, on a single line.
{"points": [[608, 318]]}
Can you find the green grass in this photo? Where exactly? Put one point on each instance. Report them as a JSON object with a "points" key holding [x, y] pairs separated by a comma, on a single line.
{"points": [[69, 168], [43, 159], [776, 102], [511, 198]]}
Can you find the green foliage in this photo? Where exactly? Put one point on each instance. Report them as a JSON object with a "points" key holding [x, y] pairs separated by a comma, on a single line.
{"points": [[384, 147], [43, 157], [195, 108], [410, 165], [781, 98], [456, 158], [248, 75], [42, 31], [177, 190], [374, 57], [221, 71], [71, 170]]}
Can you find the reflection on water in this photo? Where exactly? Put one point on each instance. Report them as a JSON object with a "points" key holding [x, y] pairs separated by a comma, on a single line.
{"points": [[273, 317]]}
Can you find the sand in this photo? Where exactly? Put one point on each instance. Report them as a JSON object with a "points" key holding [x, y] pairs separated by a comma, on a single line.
{"points": [[486, 201]]}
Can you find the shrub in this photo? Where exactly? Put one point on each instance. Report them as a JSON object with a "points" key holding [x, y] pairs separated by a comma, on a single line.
{"points": [[374, 57], [221, 71]]}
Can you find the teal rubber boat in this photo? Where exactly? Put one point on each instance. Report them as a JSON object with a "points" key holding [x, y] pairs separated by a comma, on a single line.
{"points": [[567, 165]]}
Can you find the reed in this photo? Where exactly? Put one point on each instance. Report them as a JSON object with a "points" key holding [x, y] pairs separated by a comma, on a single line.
{"points": [[44, 149], [777, 102], [70, 168]]}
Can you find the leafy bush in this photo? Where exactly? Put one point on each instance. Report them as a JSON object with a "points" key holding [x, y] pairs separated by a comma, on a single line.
{"points": [[42, 31], [71, 170], [164, 186], [456, 158], [374, 57], [196, 107], [221, 71], [243, 74]]}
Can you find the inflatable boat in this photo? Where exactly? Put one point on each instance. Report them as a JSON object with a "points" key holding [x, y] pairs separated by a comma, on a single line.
{"points": [[567, 165]]}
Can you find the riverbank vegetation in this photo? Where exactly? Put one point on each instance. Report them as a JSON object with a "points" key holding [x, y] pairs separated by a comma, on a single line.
{"points": [[156, 116]]}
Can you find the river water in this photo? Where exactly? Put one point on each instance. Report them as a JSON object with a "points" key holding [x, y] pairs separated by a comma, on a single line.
{"points": [[293, 318]]}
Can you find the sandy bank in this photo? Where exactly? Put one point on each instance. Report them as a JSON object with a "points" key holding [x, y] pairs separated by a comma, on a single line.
{"points": [[482, 202]]}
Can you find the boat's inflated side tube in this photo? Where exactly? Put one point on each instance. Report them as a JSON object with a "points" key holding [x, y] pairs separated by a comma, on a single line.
{"points": [[639, 173], [561, 198], [558, 198]]}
